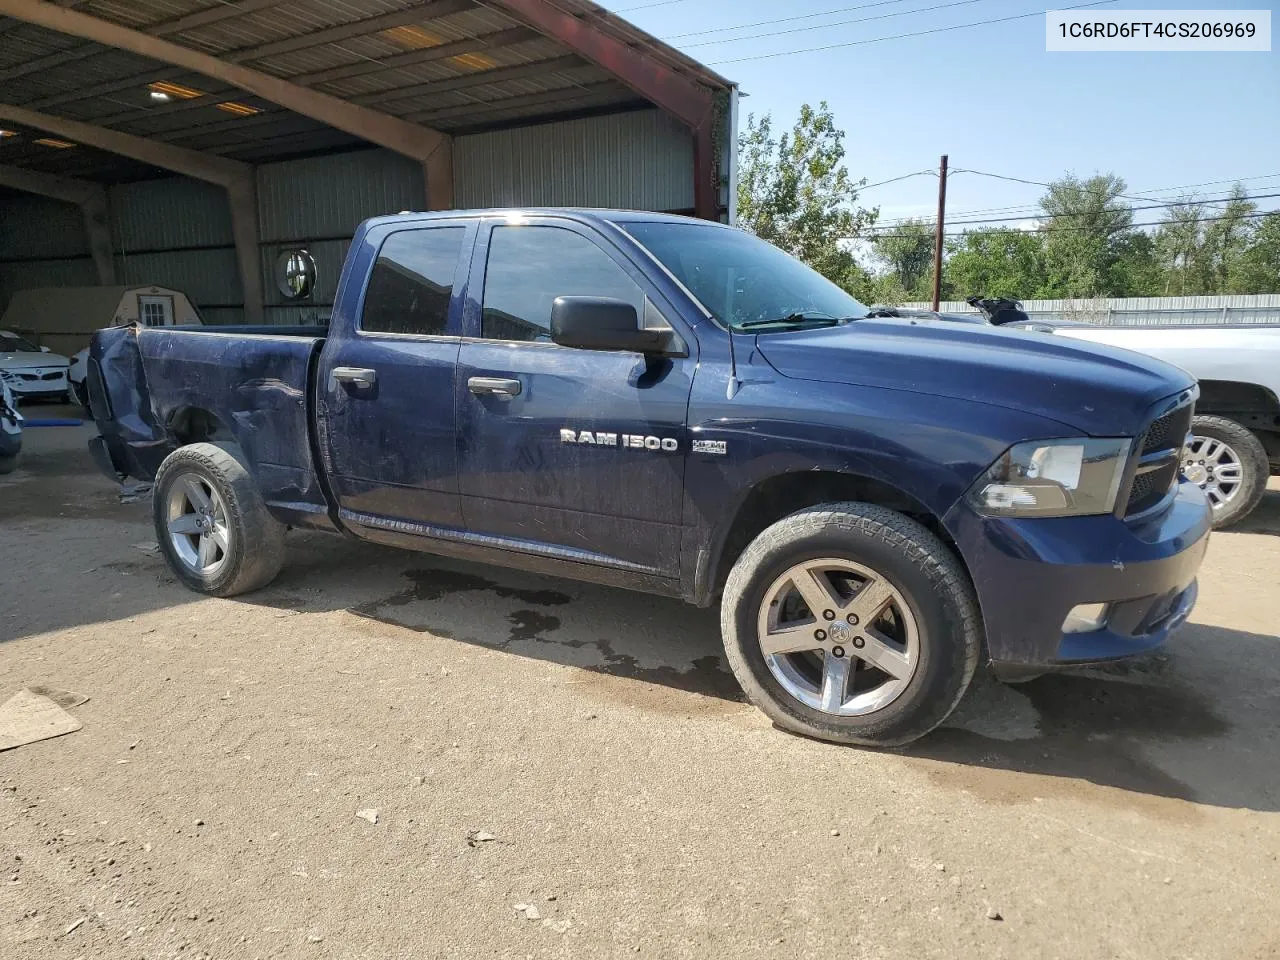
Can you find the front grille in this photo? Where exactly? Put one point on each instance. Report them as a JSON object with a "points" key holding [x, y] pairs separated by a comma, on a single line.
{"points": [[1160, 459], [1168, 432], [1149, 488], [56, 375]]}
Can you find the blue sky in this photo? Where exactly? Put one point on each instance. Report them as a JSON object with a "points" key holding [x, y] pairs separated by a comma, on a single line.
{"points": [[993, 99]]}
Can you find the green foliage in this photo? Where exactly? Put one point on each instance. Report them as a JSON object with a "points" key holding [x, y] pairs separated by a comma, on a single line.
{"points": [[1085, 222], [795, 191], [1257, 268], [997, 263], [1087, 247], [907, 255]]}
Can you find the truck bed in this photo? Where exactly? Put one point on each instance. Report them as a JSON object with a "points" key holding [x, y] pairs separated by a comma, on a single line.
{"points": [[244, 384]]}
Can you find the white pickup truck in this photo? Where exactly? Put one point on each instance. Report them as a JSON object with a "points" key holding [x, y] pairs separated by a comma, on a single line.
{"points": [[1235, 442]]}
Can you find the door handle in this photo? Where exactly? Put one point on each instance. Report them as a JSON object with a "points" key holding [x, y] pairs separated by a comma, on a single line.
{"points": [[357, 376], [496, 386]]}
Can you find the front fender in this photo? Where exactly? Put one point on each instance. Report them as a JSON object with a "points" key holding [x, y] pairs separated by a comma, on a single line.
{"points": [[928, 449]]}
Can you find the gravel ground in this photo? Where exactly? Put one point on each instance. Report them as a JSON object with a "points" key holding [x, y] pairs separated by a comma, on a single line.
{"points": [[582, 752]]}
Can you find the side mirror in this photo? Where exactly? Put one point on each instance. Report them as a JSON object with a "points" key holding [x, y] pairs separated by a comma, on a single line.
{"points": [[295, 274], [602, 323]]}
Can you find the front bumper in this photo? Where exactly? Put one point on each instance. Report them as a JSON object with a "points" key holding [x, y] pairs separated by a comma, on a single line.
{"points": [[35, 389], [1030, 573]]}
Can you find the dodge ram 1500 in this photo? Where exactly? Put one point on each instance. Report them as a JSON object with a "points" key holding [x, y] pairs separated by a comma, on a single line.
{"points": [[674, 406]]}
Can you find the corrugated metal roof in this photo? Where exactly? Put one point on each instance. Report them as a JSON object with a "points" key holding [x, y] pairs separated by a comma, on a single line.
{"points": [[357, 49]]}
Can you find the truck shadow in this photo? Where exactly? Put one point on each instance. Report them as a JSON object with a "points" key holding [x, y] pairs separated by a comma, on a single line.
{"points": [[1196, 722], [1266, 516]]}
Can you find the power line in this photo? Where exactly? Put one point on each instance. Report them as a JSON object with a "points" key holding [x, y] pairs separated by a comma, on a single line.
{"points": [[834, 23], [648, 6], [903, 36], [1037, 183], [1153, 206], [905, 176], [765, 23], [1028, 209], [1057, 229]]}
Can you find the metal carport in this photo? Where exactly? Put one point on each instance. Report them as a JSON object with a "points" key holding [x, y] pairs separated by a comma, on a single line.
{"points": [[267, 104]]}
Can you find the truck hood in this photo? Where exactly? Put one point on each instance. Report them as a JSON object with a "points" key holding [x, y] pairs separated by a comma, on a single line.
{"points": [[1098, 390]]}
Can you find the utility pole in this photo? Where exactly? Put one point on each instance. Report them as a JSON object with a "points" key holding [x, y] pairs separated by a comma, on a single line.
{"points": [[937, 240]]}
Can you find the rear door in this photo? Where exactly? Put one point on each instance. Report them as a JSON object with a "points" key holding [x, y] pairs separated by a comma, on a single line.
{"points": [[386, 388], [577, 453]]}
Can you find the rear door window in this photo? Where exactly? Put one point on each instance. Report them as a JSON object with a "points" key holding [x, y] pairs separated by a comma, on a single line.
{"points": [[412, 282]]}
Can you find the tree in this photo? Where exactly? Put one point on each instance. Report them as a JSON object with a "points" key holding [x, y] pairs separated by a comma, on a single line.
{"points": [[796, 192], [1086, 220], [907, 254], [1180, 248], [1136, 271], [1257, 269], [1199, 246], [997, 263], [1227, 237]]}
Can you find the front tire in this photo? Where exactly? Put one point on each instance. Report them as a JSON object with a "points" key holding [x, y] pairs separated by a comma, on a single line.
{"points": [[1229, 464], [8, 464], [211, 522], [892, 648]]}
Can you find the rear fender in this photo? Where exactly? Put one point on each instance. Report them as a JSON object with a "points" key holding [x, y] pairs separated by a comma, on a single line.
{"points": [[133, 442]]}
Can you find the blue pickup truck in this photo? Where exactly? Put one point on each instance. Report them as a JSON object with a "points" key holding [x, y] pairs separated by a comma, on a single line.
{"points": [[678, 407]]}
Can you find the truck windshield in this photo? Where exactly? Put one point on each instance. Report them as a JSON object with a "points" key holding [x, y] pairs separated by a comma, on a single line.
{"points": [[743, 281]]}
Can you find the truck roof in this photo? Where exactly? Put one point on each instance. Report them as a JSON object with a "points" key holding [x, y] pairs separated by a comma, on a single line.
{"points": [[582, 214]]}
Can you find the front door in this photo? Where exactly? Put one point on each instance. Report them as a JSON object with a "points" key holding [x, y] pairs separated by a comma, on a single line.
{"points": [[387, 387], [578, 451]]}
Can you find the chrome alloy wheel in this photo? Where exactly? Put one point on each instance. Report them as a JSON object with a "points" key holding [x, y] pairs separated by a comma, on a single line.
{"points": [[838, 637], [197, 524], [1214, 467]]}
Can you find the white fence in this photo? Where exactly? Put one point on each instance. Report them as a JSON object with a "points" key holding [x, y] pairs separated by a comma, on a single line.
{"points": [[1144, 311]]}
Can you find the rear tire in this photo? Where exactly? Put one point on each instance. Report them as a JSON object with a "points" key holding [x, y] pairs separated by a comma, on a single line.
{"points": [[926, 634], [211, 522], [1232, 452]]}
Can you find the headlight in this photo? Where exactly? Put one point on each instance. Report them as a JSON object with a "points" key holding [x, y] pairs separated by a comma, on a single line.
{"points": [[1053, 478]]}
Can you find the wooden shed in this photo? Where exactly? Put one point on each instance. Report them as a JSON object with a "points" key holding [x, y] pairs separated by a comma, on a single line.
{"points": [[63, 318]]}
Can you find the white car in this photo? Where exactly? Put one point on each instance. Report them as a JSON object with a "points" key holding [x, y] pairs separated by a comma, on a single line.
{"points": [[32, 372]]}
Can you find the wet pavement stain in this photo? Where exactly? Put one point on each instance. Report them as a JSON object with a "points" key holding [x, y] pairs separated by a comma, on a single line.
{"points": [[434, 583], [1090, 731], [706, 675], [530, 625]]}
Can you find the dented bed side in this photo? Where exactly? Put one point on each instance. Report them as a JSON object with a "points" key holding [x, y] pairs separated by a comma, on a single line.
{"points": [[153, 389]]}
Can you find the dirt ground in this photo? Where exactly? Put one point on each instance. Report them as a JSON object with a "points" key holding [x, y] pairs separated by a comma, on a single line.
{"points": [[208, 806]]}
